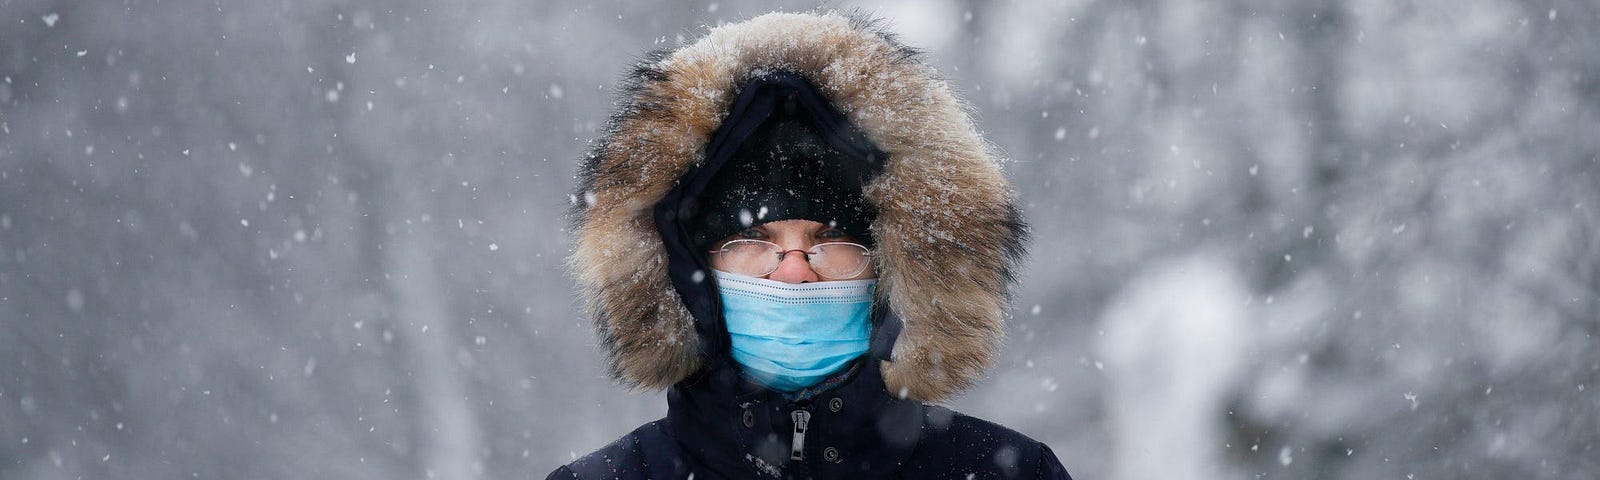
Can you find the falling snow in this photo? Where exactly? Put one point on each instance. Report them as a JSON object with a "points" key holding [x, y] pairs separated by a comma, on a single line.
{"points": [[1292, 248]]}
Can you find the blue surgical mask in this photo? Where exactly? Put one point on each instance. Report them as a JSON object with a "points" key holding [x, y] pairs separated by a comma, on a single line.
{"points": [[791, 336]]}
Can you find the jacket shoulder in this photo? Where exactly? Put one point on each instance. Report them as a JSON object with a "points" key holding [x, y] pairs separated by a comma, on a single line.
{"points": [[646, 452], [955, 445]]}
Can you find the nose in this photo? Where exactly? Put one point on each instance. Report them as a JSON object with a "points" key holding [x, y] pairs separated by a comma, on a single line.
{"points": [[794, 269]]}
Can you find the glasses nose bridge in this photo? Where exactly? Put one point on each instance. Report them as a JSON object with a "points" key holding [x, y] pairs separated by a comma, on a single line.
{"points": [[804, 254]]}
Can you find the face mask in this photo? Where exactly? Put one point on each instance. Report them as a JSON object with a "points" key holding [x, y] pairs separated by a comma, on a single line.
{"points": [[791, 336]]}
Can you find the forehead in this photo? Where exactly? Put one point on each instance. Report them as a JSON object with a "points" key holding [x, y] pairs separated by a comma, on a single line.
{"points": [[792, 225]]}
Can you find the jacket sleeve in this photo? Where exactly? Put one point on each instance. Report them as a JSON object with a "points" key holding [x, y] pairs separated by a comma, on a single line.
{"points": [[1049, 467]]}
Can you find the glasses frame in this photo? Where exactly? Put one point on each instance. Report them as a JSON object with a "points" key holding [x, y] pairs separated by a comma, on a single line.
{"points": [[866, 263]]}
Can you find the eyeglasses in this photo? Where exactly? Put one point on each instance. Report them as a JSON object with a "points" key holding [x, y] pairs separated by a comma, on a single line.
{"points": [[759, 258]]}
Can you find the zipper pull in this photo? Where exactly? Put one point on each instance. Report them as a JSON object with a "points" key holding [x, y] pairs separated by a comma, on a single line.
{"points": [[801, 418]]}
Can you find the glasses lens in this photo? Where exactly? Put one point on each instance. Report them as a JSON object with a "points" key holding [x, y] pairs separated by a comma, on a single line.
{"points": [[747, 257], [839, 260]]}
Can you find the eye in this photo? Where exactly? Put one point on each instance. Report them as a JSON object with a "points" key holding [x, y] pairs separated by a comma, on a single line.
{"points": [[833, 235], [750, 233]]}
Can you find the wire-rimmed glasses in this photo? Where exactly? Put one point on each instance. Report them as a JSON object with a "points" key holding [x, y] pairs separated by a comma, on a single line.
{"points": [[759, 258]]}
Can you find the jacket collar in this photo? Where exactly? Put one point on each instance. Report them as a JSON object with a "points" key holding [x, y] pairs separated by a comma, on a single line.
{"points": [[738, 429]]}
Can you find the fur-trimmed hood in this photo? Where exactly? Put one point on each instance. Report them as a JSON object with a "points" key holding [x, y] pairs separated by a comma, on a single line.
{"points": [[947, 232]]}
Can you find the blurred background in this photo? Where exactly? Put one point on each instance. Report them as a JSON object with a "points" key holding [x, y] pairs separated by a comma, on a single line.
{"points": [[1347, 239]]}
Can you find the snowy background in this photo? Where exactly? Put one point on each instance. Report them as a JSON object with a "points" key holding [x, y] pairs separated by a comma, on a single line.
{"points": [[323, 238]]}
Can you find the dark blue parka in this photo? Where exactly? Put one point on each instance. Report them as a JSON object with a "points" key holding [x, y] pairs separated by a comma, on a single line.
{"points": [[728, 428], [945, 238]]}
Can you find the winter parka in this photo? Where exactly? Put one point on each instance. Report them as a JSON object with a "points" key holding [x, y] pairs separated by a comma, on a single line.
{"points": [[946, 239]]}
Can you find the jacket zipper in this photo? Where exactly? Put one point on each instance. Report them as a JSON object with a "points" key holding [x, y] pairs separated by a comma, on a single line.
{"points": [[801, 419]]}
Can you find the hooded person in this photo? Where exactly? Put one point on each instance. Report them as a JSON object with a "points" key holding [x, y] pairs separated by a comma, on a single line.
{"points": [[793, 227]]}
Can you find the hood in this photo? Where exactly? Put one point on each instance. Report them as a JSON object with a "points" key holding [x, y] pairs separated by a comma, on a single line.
{"points": [[946, 232]]}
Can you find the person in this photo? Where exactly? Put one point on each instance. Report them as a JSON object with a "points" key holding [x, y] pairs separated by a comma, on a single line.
{"points": [[792, 226]]}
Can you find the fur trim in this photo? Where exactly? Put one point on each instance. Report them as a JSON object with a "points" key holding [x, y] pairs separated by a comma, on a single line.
{"points": [[948, 234]]}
